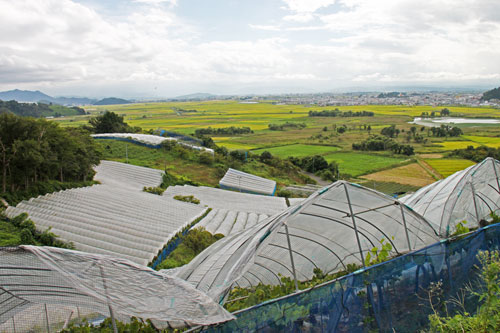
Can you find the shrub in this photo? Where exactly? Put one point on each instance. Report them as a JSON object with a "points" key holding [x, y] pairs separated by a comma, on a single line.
{"points": [[187, 198], [206, 158], [27, 237], [154, 190], [487, 317]]}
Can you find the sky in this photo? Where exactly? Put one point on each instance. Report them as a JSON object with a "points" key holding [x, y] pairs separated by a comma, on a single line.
{"points": [[166, 48]]}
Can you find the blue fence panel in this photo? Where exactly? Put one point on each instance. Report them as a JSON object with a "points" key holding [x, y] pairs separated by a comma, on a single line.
{"points": [[388, 297]]}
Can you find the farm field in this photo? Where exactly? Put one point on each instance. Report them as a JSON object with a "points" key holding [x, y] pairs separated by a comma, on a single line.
{"points": [[356, 164], [256, 116], [452, 145], [319, 136], [298, 150], [493, 142], [411, 174], [446, 167]]}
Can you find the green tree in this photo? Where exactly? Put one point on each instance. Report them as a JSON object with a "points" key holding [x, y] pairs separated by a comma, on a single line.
{"points": [[110, 122]]}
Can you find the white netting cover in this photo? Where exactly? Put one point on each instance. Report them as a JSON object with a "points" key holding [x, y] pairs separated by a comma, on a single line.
{"points": [[239, 180], [147, 139], [322, 232], [115, 218], [32, 276], [230, 200], [470, 195]]}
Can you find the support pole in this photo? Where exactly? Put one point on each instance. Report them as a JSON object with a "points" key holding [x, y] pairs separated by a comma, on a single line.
{"points": [[126, 153], [14, 324], [475, 203], [406, 228], [354, 224], [68, 319], [291, 257], [496, 174], [47, 318], [111, 313]]}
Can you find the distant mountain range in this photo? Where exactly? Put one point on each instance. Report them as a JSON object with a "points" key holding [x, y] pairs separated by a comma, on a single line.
{"points": [[195, 96], [29, 96], [111, 101]]}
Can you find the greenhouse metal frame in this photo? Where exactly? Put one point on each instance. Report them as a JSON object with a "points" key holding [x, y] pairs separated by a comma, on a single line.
{"points": [[469, 195]]}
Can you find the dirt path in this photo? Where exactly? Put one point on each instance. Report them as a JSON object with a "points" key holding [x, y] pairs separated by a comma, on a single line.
{"points": [[433, 173], [317, 179]]}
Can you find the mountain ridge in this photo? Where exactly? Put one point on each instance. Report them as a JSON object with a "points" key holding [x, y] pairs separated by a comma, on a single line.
{"points": [[35, 96]]}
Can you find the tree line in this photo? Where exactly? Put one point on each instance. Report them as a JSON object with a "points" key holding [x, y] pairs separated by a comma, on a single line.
{"points": [[380, 143], [286, 126], [36, 150], [222, 131]]}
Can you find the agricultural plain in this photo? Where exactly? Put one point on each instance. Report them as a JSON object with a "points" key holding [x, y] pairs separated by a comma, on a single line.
{"points": [[315, 135]]}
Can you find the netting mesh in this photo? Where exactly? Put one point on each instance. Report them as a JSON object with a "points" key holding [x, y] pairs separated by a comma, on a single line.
{"points": [[389, 297], [65, 281], [333, 228], [469, 195]]}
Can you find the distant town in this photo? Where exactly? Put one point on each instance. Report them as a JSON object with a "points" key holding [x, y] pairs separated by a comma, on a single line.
{"points": [[377, 98]]}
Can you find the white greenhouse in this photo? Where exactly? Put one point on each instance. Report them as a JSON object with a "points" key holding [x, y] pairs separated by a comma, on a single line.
{"points": [[116, 217], [153, 141], [333, 228], [229, 200], [45, 287], [245, 182], [469, 195]]}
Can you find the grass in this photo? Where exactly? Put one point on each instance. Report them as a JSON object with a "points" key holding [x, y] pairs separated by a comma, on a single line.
{"points": [[297, 150], [446, 167], [356, 164], [9, 234], [188, 165]]}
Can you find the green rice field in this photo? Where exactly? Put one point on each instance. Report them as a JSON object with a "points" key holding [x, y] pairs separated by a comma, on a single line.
{"points": [[357, 164], [446, 167], [298, 150]]}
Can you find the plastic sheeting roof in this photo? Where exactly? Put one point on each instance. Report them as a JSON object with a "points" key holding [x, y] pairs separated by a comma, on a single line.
{"points": [[469, 195], [245, 182], [115, 218], [334, 227], [42, 275], [147, 139], [223, 199]]}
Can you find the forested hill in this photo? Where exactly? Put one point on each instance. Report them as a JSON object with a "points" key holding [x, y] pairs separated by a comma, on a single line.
{"points": [[491, 94], [38, 110], [112, 101]]}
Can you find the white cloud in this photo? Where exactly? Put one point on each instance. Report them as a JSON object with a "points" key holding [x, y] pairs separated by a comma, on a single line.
{"points": [[307, 6], [155, 2], [302, 17], [358, 41]]}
